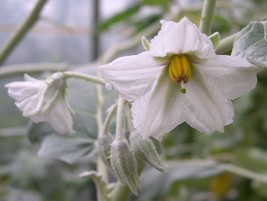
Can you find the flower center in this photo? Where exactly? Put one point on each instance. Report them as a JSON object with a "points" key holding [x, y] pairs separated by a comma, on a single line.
{"points": [[180, 70]]}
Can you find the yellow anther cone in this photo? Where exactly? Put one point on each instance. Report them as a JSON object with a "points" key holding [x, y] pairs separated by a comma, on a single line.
{"points": [[180, 70]]}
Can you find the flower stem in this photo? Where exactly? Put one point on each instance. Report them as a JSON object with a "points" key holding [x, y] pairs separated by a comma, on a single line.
{"points": [[206, 16], [119, 119], [129, 117], [82, 76], [22, 31]]}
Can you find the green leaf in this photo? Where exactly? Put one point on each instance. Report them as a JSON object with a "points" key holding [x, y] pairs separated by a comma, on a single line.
{"points": [[119, 17], [66, 148], [251, 43], [102, 187], [164, 4]]}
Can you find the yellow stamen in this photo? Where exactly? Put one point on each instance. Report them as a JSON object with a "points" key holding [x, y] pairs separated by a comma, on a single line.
{"points": [[180, 70]]}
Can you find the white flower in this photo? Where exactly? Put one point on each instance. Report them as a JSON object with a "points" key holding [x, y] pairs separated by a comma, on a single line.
{"points": [[180, 79], [43, 101]]}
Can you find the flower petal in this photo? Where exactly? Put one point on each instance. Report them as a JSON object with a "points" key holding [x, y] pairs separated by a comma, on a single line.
{"points": [[159, 110], [22, 90], [131, 76], [28, 95], [58, 116], [207, 109], [30, 105], [181, 38], [234, 76]]}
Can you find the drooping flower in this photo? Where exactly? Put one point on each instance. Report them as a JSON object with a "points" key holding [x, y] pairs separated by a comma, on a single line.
{"points": [[43, 101], [180, 79]]}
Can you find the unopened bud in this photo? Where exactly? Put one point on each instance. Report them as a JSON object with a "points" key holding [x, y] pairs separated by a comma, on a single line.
{"points": [[124, 164], [104, 148], [147, 150]]}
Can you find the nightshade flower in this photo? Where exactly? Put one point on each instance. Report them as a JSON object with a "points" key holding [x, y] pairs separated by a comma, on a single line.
{"points": [[180, 79], [43, 101]]}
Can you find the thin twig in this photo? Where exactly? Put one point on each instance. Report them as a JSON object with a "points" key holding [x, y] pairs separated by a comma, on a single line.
{"points": [[246, 173], [22, 31], [32, 67]]}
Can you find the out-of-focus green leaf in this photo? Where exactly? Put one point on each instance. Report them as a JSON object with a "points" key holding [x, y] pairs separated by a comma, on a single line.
{"points": [[252, 158], [23, 195], [163, 3], [118, 17], [221, 24], [251, 43], [140, 24], [175, 171], [66, 148]]}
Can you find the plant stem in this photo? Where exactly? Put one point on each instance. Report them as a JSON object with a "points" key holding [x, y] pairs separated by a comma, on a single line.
{"points": [[101, 167], [119, 119], [90, 78], [129, 118], [120, 192], [226, 45], [22, 31], [30, 68], [246, 173], [206, 16], [108, 118]]}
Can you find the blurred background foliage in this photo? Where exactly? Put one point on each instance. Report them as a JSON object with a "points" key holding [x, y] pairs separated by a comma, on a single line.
{"points": [[37, 164]]}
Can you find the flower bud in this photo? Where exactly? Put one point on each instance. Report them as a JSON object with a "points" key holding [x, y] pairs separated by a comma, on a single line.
{"points": [[124, 164], [147, 150], [104, 148]]}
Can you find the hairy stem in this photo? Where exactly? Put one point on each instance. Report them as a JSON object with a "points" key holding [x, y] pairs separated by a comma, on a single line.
{"points": [[86, 77], [120, 193], [108, 118], [101, 167], [22, 31], [119, 119], [226, 44], [129, 117], [206, 16]]}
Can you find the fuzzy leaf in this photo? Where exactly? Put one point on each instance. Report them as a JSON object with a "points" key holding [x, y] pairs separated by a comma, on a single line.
{"points": [[251, 43], [176, 171], [66, 148]]}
